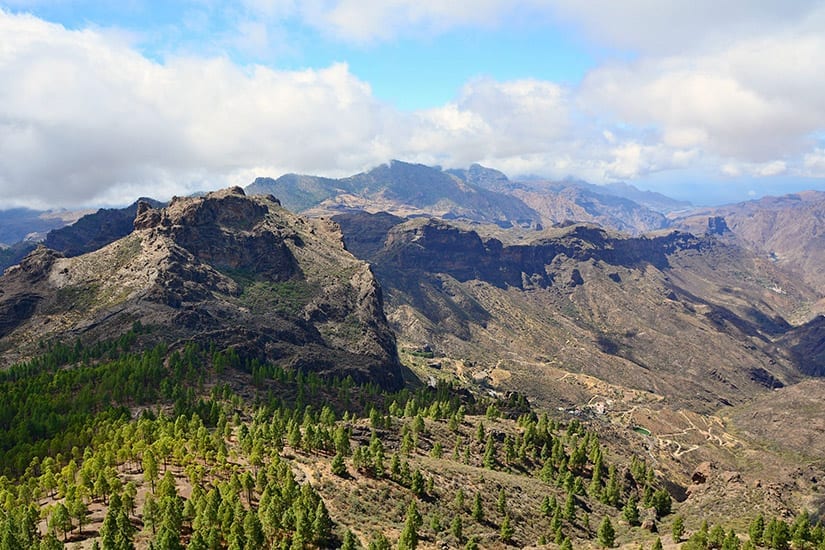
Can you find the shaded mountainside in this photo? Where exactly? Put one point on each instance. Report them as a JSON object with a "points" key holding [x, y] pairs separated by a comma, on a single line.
{"points": [[789, 229], [96, 230], [226, 269], [691, 320], [24, 224]]}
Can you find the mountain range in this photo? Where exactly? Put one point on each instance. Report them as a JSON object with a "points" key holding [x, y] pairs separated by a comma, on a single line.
{"points": [[676, 333]]}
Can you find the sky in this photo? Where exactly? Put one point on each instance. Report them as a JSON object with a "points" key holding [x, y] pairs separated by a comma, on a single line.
{"points": [[102, 102]]}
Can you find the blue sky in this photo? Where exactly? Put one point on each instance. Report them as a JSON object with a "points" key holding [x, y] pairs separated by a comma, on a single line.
{"points": [[104, 101]]}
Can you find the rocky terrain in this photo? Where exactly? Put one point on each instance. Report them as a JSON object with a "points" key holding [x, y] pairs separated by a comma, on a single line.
{"points": [[224, 268], [692, 341], [671, 332], [659, 314], [790, 230]]}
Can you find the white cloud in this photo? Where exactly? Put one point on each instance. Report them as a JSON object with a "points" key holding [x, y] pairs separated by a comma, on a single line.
{"points": [[85, 118], [81, 116], [754, 101], [814, 164], [663, 27]]}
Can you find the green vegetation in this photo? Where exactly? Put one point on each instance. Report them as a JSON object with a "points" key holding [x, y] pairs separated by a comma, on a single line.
{"points": [[302, 462], [286, 297]]}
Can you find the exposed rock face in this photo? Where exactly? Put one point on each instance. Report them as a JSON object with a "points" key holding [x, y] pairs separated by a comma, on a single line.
{"points": [[669, 314], [436, 246], [717, 226], [224, 268], [702, 473]]}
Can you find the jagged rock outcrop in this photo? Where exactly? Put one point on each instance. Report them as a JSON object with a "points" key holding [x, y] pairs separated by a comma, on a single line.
{"points": [[224, 268], [717, 226]]}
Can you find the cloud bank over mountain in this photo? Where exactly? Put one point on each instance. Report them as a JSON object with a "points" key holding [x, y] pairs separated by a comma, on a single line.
{"points": [[87, 116]]}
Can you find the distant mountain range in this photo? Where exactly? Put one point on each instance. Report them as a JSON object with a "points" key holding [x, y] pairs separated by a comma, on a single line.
{"points": [[477, 194]]}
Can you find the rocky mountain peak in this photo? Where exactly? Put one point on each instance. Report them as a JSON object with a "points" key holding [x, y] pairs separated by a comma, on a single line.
{"points": [[225, 269]]}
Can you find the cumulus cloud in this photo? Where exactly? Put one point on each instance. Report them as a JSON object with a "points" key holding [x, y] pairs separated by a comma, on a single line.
{"points": [[755, 101], [85, 118], [80, 115]]}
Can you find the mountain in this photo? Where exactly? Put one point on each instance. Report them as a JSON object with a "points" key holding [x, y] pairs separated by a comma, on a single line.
{"points": [[672, 335], [95, 230], [19, 224], [163, 390], [477, 194], [616, 206], [487, 178], [296, 192], [561, 203], [399, 188], [790, 230], [692, 320], [650, 199], [224, 269]]}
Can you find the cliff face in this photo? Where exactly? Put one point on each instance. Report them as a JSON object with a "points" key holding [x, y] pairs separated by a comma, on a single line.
{"points": [[436, 246], [693, 320], [225, 268]]}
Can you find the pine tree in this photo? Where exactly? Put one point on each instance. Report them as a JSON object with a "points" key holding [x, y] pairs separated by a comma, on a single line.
{"points": [[569, 507], [253, 531], [478, 510], [716, 536], [606, 533], [456, 528], [731, 541], [322, 525], [339, 468], [489, 460], [409, 534], [349, 542], [506, 531], [546, 508], [756, 530], [417, 483], [60, 519], [379, 542], [678, 528], [657, 545], [662, 502], [630, 512]]}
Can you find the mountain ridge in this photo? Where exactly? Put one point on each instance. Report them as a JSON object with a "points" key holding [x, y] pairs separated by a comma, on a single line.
{"points": [[238, 271]]}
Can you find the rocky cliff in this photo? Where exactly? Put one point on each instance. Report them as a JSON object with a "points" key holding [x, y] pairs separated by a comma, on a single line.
{"points": [[694, 321], [226, 269]]}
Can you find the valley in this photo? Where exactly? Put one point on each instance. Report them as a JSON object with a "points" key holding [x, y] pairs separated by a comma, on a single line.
{"points": [[360, 378]]}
